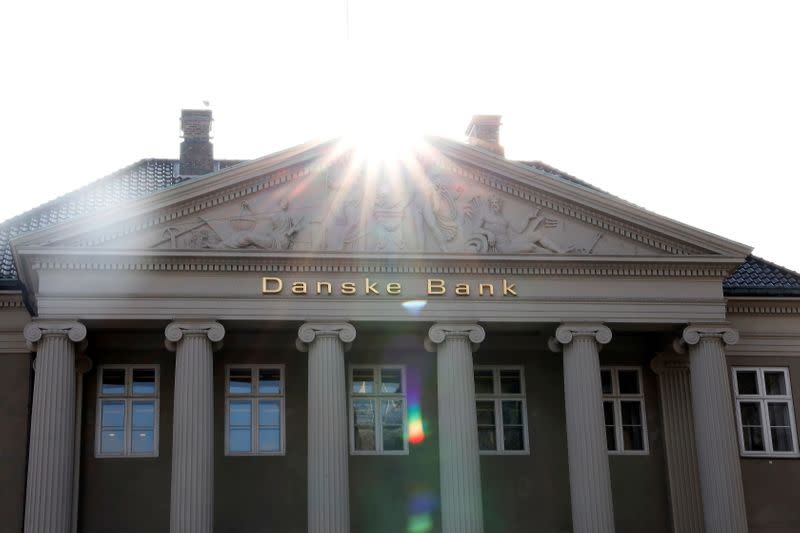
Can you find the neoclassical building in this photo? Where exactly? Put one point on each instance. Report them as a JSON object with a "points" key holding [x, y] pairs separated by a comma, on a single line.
{"points": [[318, 341]]}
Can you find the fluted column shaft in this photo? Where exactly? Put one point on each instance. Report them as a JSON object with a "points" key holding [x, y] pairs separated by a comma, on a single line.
{"points": [[589, 475], [192, 486], [674, 382], [715, 430], [459, 462], [328, 476], [49, 495]]}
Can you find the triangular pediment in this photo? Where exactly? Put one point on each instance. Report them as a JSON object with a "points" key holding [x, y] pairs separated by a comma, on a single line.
{"points": [[448, 199]]}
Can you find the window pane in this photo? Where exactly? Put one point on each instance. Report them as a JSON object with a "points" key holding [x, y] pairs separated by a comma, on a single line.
{"points": [[513, 439], [113, 381], [608, 413], [239, 439], [775, 383], [510, 382], [144, 380], [364, 438], [111, 441], [487, 439], [484, 381], [512, 412], [391, 381], [240, 381], [239, 414], [113, 415], [269, 440], [605, 381], [392, 412], [363, 381], [632, 438], [269, 380], [628, 381], [747, 381], [269, 413], [142, 441], [143, 415], [782, 439], [485, 410], [611, 440], [364, 413], [631, 413], [392, 438], [753, 439], [778, 414], [751, 413]]}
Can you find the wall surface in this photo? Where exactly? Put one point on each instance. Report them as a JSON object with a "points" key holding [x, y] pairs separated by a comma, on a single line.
{"points": [[15, 387]]}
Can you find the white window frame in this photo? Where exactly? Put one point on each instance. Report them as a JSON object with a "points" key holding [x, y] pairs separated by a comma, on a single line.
{"points": [[497, 397], [762, 399], [617, 398], [376, 397], [128, 397], [254, 396]]}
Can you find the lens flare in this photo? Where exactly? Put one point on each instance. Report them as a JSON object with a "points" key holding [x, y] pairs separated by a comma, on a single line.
{"points": [[416, 430], [414, 307], [420, 512]]}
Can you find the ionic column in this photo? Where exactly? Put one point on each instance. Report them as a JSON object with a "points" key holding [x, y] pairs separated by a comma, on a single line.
{"points": [[328, 477], [674, 383], [714, 428], [589, 476], [192, 488], [51, 452], [459, 462]]}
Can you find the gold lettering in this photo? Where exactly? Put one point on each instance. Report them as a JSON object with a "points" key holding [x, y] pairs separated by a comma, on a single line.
{"points": [[370, 288], [436, 286], [487, 286], [462, 289], [393, 288], [326, 284], [348, 287], [509, 289], [266, 282], [299, 287]]}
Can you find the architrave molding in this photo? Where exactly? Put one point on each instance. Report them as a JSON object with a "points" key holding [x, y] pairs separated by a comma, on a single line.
{"points": [[11, 301], [764, 306]]}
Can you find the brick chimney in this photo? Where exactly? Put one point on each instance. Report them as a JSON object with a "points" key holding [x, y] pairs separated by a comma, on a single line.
{"points": [[484, 131], [197, 152]]}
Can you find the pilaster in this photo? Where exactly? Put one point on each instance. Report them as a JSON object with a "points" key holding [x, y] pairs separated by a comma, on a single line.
{"points": [[49, 490], [714, 428], [589, 475], [192, 488], [328, 476], [674, 382], [459, 462]]}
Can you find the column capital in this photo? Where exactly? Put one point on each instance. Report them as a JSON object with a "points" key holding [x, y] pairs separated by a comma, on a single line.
{"points": [[565, 333], [667, 362], [311, 330], [35, 330], [693, 333], [175, 331], [442, 330]]}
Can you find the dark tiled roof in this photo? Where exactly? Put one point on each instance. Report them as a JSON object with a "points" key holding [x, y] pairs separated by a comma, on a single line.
{"points": [[758, 277], [139, 179]]}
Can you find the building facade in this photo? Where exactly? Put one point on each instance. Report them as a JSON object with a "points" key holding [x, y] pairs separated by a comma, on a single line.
{"points": [[314, 341]]}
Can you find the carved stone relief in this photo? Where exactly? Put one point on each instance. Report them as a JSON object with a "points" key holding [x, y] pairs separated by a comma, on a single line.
{"points": [[390, 211]]}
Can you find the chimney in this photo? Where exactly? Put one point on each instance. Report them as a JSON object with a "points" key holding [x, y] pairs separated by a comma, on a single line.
{"points": [[197, 152], [484, 131]]}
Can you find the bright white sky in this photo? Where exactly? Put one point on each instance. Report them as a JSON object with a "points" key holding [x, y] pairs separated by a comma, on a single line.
{"points": [[688, 108]]}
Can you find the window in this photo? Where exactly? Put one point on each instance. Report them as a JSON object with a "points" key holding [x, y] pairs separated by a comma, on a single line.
{"points": [[378, 410], [127, 411], [623, 410], [254, 410], [764, 412], [501, 410]]}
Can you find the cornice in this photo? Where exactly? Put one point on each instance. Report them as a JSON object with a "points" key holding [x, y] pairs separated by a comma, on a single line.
{"points": [[764, 306], [443, 264], [11, 301]]}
